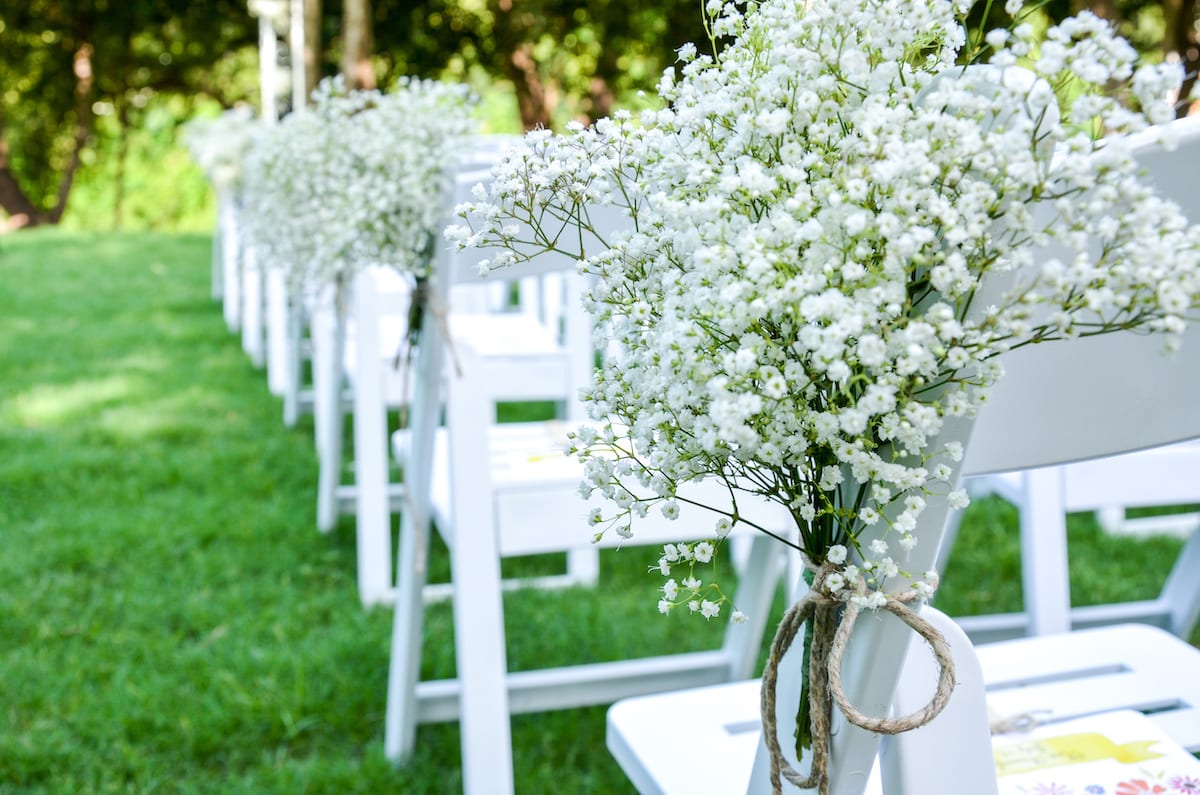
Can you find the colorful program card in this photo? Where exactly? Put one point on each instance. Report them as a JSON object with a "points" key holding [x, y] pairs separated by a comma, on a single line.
{"points": [[1114, 753]]}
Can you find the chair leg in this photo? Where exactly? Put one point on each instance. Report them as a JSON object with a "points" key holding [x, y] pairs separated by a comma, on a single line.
{"points": [[373, 517], [218, 266], [1181, 593], [231, 279], [482, 667], [293, 359], [404, 666], [583, 566], [754, 595], [277, 330], [328, 347], [252, 307], [478, 606], [1044, 553], [416, 454]]}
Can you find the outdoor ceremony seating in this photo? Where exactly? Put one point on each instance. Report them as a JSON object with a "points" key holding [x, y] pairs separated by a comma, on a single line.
{"points": [[359, 342], [379, 380], [499, 490], [1057, 404]]}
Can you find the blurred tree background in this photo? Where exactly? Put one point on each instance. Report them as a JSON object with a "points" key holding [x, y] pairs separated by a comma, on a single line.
{"points": [[93, 93]]}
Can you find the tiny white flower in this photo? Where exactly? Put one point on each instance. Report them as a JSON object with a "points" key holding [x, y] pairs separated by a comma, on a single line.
{"points": [[724, 526]]}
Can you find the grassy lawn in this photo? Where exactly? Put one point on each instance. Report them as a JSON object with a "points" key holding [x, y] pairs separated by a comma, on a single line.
{"points": [[171, 621]]}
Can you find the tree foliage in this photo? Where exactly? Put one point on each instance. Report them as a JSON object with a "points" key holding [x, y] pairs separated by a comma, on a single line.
{"points": [[75, 75], [66, 62]]}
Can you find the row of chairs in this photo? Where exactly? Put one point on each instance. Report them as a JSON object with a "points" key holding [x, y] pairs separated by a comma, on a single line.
{"points": [[507, 489]]}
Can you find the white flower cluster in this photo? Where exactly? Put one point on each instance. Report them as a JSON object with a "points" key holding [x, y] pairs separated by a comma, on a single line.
{"points": [[690, 589], [806, 290], [219, 145], [357, 180]]}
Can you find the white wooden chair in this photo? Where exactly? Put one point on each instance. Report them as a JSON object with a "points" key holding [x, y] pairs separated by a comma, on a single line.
{"points": [[1057, 404], [379, 382], [1053, 405], [507, 490], [357, 335]]}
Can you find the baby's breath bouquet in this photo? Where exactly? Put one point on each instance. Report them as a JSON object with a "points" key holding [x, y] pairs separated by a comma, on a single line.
{"points": [[219, 145], [357, 180], [834, 229]]}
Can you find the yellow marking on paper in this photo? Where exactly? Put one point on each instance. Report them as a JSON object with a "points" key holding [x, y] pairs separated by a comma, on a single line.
{"points": [[1069, 749]]}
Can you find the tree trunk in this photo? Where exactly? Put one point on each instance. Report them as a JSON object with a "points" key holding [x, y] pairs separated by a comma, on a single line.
{"points": [[357, 44], [1179, 39], [13, 201], [122, 163], [312, 45], [1105, 9], [600, 99], [535, 99], [84, 80]]}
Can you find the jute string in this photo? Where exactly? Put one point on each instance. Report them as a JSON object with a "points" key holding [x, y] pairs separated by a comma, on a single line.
{"points": [[831, 623]]}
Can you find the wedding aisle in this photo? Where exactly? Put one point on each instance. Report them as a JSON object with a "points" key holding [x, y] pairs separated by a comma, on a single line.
{"points": [[171, 621]]}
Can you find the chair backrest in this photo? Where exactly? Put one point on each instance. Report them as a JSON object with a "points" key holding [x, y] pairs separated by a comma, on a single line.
{"points": [[1057, 403]]}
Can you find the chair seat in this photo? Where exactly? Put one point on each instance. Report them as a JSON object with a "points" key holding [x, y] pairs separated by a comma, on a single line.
{"points": [[506, 339], [1129, 666], [717, 728], [533, 477]]}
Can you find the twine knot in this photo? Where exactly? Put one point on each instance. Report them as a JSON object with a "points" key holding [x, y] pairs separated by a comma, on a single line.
{"points": [[831, 621]]}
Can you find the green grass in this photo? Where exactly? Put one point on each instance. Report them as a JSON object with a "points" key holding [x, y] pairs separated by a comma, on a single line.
{"points": [[171, 621]]}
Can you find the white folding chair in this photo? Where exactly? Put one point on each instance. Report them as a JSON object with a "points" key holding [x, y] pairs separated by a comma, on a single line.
{"points": [[506, 490], [358, 331], [1057, 404], [379, 381], [1050, 408]]}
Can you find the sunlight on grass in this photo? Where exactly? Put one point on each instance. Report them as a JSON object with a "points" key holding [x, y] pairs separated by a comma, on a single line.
{"points": [[48, 405]]}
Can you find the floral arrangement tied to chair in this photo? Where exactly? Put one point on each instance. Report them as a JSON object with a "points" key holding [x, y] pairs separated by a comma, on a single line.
{"points": [[837, 223]]}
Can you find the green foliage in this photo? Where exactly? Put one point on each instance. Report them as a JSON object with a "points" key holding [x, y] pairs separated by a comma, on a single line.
{"points": [[141, 177], [70, 63]]}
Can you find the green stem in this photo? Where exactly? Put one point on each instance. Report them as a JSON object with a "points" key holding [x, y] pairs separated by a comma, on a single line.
{"points": [[803, 715]]}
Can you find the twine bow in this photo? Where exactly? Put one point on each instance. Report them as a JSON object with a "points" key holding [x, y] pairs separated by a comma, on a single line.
{"points": [[830, 635]]}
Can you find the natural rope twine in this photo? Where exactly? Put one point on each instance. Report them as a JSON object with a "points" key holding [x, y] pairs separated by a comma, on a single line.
{"points": [[830, 635]]}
